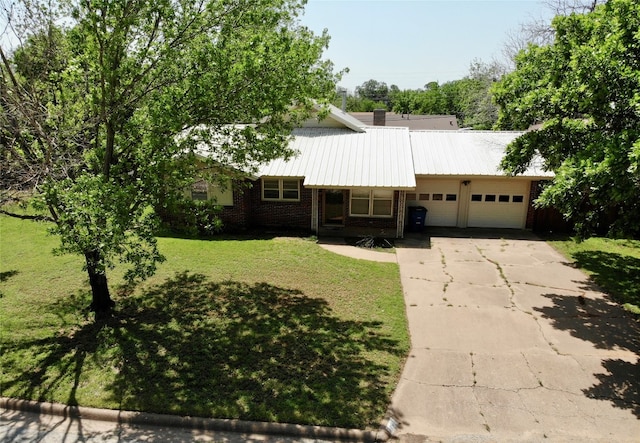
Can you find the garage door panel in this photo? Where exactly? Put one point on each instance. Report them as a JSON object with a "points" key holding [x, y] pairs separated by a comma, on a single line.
{"points": [[440, 197], [498, 204]]}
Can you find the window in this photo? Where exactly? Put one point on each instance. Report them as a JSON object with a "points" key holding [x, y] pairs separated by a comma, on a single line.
{"points": [[411, 196], [476, 197], [281, 189], [451, 197], [360, 202], [424, 197], [290, 190], [490, 198], [270, 189], [371, 203], [199, 190], [517, 199], [382, 203], [437, 197], [503, 198]]}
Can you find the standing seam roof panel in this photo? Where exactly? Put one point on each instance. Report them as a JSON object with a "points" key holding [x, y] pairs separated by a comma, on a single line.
{"points": [[333, 157], [464, 153]]}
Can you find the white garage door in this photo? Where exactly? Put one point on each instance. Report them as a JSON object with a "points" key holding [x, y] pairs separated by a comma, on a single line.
{"points": [[498, 204], [440, 197]]}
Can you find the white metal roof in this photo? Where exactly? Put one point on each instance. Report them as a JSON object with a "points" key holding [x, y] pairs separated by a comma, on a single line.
{"points": [[465, 153], [339, 158]]}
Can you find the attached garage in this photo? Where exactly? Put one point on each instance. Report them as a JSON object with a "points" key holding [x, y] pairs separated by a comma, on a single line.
{"points": [[440, 197], [498, 203], [472, 202], [459, 181]]}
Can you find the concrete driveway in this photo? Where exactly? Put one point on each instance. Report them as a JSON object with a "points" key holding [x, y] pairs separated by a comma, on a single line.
{"points": [[511, 343]]}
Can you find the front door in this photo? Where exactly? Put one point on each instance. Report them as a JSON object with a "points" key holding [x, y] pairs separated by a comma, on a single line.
{"points": [[333, 207]]}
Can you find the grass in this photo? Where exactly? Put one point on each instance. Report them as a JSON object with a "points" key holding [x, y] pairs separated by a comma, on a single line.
{"points": [[613, 264], [257, 329]]}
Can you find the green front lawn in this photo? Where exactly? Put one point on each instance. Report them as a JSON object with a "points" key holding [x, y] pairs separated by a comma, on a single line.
{"points": [[613, 264], [257, 329]]}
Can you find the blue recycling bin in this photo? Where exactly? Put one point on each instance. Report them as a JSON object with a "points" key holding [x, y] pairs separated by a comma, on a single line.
{"points": [[417, 217]]}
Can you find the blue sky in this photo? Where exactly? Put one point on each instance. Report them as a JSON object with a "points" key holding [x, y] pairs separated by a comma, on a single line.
{"points": [[410, 43]]}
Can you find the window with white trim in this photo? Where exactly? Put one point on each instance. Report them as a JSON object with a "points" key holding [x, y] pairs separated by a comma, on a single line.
{"points": [[371, 203], [280, 189]]}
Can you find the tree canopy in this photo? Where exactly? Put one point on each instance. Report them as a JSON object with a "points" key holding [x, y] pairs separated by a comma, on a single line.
{"points": [[583, 90], [469, 98], [94, 98]]}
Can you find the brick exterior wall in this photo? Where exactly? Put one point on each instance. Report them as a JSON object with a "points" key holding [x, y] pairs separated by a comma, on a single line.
{"points": [[534, 191], [235, 217], [279, 214], [545, 219], [250, 211]]}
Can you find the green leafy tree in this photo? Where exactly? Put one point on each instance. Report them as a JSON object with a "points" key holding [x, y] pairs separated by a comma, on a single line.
{"points": [[538, 31], [456, 98], [480, 110], [583, 89], [102, 118], [359, 104], [469, 98], [406, 102], [431, 100], [374, 91]]}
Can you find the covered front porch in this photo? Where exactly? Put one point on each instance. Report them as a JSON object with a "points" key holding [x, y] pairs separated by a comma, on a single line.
{"points": [[358, 212]]}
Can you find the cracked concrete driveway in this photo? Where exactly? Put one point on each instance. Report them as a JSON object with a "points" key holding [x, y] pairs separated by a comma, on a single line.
{"points": [[511, 343]]}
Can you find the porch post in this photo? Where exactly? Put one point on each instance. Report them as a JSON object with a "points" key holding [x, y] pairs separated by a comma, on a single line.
{"points": [[402, 196], [314, 210]]}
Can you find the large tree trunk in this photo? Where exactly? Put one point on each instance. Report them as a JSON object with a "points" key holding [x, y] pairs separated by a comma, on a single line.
{"points": [[101, 303]]}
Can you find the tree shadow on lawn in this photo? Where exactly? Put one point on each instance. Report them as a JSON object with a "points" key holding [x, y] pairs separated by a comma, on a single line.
{"points": [[619, 274], [6, 275], [230, 350], [607, 326]]}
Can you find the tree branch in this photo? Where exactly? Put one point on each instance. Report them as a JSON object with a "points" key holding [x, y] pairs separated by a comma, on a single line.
{"points": [[26, 216]]}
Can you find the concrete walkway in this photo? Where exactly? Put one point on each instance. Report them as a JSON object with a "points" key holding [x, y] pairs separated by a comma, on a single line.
{"points": [[338, 246], [511, 343]]}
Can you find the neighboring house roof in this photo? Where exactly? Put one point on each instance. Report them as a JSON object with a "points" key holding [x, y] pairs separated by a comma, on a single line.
{"points": [[413, 122], [341, 158], [465, 153]]}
